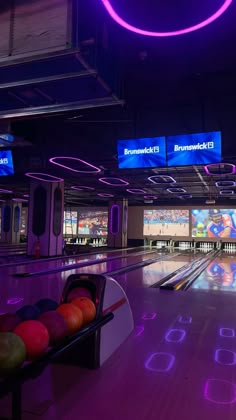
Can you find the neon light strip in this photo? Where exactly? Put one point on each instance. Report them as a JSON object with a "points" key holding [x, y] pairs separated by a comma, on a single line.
{"points": [[81, 188], [35, 176], [96, 170], [122, 182], [135, 191], [105, 195], [166, 179], [220, 355], [160, 366], [207, 169], [184, 31]]}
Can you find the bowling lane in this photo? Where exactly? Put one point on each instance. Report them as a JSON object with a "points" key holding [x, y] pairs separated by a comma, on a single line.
{"points": [[57, 263], [19, 291], [153, 273], [219, 275]]}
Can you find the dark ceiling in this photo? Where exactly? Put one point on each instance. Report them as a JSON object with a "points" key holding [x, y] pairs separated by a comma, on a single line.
{"points": [[170, 86]]}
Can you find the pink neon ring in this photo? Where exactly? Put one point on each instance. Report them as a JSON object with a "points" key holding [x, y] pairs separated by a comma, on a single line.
{"points": [[131, 28]]}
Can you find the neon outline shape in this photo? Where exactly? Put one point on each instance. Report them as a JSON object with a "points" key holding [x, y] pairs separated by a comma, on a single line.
{"points": [[96, 170], [54, 178], [211, 399], [168, 367], [114, 15]]}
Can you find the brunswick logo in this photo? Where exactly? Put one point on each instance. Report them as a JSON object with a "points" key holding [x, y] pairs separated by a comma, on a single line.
{"points": [[146, 150], [198, 146]]}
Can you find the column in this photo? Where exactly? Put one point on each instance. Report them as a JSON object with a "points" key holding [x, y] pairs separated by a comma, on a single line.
{"points": [[11, 217], [117, 223], [45, 222]]}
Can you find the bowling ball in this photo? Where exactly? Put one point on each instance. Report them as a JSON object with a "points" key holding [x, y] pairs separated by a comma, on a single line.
{"points": [[28, 312], [73, 317], [35, 336], [87, 307], [55, 324], [45, 305], [12, 351], [78, 292], [8, 322]]}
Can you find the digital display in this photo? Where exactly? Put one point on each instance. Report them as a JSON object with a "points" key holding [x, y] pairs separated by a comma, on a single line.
{"points": [[194, 149], [70, 223], [93, 223], [166, 222], [6, 163], [214, 223], [142, 153]]}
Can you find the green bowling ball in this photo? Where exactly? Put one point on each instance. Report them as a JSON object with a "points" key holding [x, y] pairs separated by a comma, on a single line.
{"points": [[12, 352]]}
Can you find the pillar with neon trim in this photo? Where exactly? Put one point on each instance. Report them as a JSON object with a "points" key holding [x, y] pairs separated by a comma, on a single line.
{"points": [[117, 223], [45, 220], [11, 218]]}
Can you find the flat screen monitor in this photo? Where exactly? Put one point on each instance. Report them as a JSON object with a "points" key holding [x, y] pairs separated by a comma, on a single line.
{"points": [[6, 163], [214, 223], [194, 149], [70, 223], [142, 153], [93, 223], [166, 222]]}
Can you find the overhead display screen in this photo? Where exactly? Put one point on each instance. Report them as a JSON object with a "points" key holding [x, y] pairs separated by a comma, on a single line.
{"points": [[93, 223], [214, 223], [6, 163], [142, 153], [194, 149], [166, 222]]}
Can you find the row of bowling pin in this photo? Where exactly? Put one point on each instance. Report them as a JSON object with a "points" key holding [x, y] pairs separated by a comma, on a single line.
{"points": [[229, 247], [160, 244], [184, 245], [206, 245]]}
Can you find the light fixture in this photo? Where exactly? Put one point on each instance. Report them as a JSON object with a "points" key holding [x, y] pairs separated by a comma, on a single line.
{"points": [[115, 182], [26, 195], [222, 169], [81, 188], [225, 183], [150, 197], [118, 19], [162, 179], [135, 191], [185, 196], [92, 169], [210, 201], [176, 190], [20, 200], [226, 192], [2, 191], [105, 195], [40, 176]]}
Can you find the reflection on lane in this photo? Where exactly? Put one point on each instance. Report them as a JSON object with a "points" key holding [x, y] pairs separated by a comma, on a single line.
{"points": [[219, 275], [153, 273]]}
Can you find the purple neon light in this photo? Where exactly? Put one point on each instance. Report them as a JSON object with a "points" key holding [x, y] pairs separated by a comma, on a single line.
{"points": [[221, 356], [82, 188], [5, 191], [207, 169], [114, 206], [26, 195], [160, 362], [175, 336], [96, 170], [166, 179], [185, 319], [226, 192], [226, 332], [176, 190], [121, 182], [139, 329], [185, 196], [105, 195], [149, 316], [220, 391], [136, 191], [2, 201], [150, 197], [226, 183], [200, 25], [37, 175], [20, 200], [14, 301]]}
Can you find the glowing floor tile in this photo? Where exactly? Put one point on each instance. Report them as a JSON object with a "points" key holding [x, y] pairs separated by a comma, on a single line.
{"points": [[139, 329], [225, 357], [185, 319], [149, 316], [226, 332], [160, 362], [219, 391], [175, 336]]}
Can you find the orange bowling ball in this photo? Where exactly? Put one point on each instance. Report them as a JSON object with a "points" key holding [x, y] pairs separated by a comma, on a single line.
{"points": [[72, 315], [87, 307]]}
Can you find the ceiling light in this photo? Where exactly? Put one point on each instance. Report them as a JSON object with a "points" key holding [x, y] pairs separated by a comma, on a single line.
{"points": [[118, 19], [43, 177], [91, 168], [115, 182], [228, 168], [162, 179]]}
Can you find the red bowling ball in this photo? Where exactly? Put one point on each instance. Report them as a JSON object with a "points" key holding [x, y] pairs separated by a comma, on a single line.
{"points": [[78, 292], [35, 336]]}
